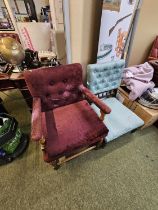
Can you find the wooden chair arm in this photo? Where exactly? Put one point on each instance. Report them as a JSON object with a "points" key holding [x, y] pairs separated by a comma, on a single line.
{"points": [[102, 106]]}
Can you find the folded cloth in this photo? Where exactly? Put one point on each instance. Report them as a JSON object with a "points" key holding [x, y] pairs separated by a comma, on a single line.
{"points": [[138, 79]]}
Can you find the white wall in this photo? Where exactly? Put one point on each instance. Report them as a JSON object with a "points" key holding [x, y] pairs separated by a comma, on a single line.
{"points": [[146, 31]]}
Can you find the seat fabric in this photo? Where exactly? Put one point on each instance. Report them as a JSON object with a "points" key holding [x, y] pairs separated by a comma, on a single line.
{"points": [[154, 50], [121, 120], [77, 126]]}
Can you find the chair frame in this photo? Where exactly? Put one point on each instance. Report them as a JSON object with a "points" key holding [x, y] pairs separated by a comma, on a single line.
{"points": [[63, 159], [37, 131], [99, 145], [107, 94], [57, 162]]}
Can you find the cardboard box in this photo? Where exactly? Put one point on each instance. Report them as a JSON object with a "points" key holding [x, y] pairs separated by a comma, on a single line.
{"points": [[149, 116], [35, 36]]}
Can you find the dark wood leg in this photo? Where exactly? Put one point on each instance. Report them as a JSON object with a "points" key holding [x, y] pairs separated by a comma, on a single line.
{"points": [[21, 85], [2, 108], [28, 98], [156, 124], [101, 144], [104, 143], [55, 164], [133, 131]]}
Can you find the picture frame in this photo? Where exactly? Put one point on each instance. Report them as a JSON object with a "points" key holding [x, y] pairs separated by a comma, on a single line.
{"points": [[6, 23], [112, 5]]}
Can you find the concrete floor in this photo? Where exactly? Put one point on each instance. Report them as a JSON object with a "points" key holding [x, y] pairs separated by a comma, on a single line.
{"points": [[123, 176]]}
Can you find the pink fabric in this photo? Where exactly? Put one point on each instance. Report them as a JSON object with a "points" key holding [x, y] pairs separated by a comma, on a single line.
{"points": [[138, 79], [36, 128], [77, 126], [154, 51]]}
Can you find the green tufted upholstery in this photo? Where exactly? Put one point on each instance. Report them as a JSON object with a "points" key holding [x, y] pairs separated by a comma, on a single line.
{"points": [[104, 77]]}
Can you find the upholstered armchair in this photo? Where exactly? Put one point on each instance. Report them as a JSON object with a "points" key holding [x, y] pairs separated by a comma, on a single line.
{"points": [[62, 119]]}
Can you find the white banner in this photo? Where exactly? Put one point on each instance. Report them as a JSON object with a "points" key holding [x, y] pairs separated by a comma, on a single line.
{"points": [[115, 23]]}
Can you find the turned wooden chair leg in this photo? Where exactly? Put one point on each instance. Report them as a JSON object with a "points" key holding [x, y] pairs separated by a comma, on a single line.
{"points": [[100, 144], [55, 164], [42, 143], [104, 143]]}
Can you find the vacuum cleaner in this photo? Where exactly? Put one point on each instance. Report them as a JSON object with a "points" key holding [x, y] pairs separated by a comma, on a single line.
{"points": [[12, 141]]}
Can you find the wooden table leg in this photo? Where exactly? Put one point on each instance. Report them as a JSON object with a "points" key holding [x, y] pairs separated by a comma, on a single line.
{"points": [[21, 85], [2, 109], [28, 98]]}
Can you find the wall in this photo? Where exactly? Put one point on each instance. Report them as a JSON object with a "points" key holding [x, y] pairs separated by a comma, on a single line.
{"points": [[85, 19], [85, 25], [146, 32]]}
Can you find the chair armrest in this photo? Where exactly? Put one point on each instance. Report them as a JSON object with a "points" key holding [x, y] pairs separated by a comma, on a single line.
{"points": [[102, 106], [36, 123]]}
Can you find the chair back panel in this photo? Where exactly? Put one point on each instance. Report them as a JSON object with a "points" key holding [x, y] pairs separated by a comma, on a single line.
{"points": [[56, 86], [104, 77]]}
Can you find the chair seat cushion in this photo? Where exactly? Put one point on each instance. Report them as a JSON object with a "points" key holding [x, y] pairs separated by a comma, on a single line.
{"points": [[77, 126], [121, 120]]}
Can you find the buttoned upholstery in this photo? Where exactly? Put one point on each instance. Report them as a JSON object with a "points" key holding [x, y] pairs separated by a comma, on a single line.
{"points": [[60, 112], [57, 87], [104, 77]]}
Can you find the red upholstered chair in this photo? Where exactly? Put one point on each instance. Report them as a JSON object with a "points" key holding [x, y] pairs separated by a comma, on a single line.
{"points": [[153, 60], [153, 55], [62, 119]]}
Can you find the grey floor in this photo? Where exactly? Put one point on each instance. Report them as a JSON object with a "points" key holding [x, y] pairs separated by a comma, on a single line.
{"points": [[122, 176]]}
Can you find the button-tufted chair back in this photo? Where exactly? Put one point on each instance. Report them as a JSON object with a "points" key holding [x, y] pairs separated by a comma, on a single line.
{"points": [[104, 77], [56, 86]]}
